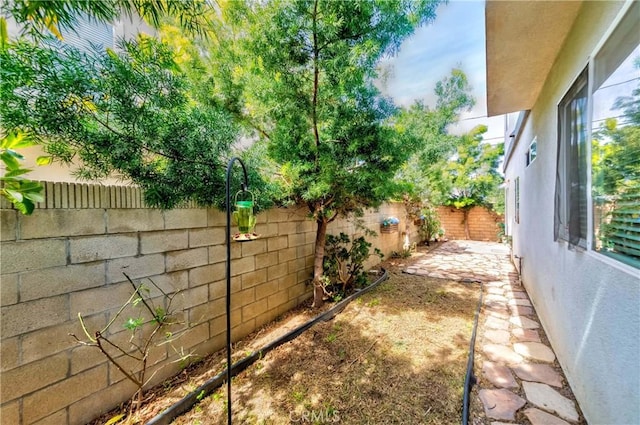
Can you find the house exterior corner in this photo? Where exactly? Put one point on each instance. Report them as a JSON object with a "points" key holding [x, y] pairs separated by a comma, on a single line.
{"points": [[587, 299]]}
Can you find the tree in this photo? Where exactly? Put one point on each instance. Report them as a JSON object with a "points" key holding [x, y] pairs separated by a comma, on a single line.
{"points": [[303, 80], [470, 178], [40, 18], [429, 127], [129, 112], [616, 146]]}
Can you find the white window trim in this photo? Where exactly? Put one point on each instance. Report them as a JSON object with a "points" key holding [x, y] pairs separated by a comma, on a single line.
{"points": [[591, 77], [529, 159]]}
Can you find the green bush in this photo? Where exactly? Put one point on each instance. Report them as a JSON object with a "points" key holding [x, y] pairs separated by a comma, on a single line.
{"points": [[430, 225], [344, 264]]}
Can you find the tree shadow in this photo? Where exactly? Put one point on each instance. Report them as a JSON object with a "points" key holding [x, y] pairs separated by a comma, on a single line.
{"points": [[395, 355]]}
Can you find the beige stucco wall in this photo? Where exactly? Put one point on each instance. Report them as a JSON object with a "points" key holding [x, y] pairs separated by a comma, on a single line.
{"points": [[588, 304], [68, 257]]}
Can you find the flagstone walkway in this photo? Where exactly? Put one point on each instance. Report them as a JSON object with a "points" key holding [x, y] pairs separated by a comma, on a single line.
{"points": [[519, 379]]}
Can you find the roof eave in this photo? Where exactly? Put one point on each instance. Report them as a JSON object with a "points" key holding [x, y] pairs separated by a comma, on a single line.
{"points": [[523, 39]]}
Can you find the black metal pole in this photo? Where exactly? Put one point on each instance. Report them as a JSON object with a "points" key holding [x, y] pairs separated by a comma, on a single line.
{"points": [[245, 184]]}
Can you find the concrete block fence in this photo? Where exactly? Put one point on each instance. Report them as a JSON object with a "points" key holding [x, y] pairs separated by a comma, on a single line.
{"points": [[68, 257]]}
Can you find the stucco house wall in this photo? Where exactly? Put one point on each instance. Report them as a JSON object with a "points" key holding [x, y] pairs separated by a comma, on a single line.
{"points": [[589, 304]]}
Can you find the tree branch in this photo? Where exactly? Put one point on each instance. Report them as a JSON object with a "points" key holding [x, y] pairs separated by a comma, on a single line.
{"points": [[316, 80]]}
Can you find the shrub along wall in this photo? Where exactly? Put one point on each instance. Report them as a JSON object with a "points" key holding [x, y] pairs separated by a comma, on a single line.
{"points": [[483, 224], [68, 258]]}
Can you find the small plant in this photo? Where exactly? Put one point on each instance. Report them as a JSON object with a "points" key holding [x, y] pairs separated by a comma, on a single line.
{"points": [[149, 327], [344, 264], [430, 225], [22, 193], [374, 302], [331, 337], [405, 253]]}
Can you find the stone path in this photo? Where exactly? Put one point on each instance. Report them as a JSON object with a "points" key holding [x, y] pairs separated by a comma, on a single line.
{"points": [[519, 378]]}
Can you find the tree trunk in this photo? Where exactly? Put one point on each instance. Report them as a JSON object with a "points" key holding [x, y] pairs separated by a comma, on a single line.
{"points": [[465, 220], [318, 271]]}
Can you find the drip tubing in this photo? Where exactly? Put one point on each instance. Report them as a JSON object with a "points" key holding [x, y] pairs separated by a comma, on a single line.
{"points": [[187, 402], [470, 379]]}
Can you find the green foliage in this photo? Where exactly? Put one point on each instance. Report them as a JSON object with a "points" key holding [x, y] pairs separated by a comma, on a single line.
{"points": [[42, 18], [405, 253], [313, 96], [471, 176], [344, 263], [427, 128], [129, 112], [429, 225], [300, 75], [23, 193], [149, 327]]}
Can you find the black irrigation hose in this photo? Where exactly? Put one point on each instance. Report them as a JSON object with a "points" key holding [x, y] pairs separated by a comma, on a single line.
{"points": [[470, 379], [186, 403]]}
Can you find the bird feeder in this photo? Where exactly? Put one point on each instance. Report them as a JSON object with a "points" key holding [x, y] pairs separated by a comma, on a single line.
{"points": [[244, 218]]}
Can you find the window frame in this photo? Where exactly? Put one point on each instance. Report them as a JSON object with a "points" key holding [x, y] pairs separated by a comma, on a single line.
{"points": [[587, 244], [532, 152], [581, 82], [609, 34], [516, 198]]}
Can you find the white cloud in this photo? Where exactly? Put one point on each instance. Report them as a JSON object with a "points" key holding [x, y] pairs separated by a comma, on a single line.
{"points": [[455, 39]]}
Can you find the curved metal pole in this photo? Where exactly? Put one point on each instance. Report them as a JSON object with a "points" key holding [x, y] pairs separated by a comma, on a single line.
{"points": [[245, 184]]}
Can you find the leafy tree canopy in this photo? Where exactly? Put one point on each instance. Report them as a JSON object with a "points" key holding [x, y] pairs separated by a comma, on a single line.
{"points": [[300, 74], [303, 80], [428, 128], [40, 18], [471, 176], [130, 111]]}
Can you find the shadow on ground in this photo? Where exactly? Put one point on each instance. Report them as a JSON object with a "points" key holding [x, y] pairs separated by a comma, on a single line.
{"points": [[396, 355]]}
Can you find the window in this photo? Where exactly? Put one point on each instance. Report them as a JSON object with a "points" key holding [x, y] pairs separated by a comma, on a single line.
{"points": [[532, 153], [597, 197], [89, 33], [571, 172], [615, 155]]}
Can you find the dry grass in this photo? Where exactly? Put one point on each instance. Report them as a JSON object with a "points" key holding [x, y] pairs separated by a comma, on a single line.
{"points": [[395, 355]]}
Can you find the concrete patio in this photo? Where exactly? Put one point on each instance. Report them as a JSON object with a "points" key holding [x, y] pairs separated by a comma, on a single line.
{"points": [[519, 379]]}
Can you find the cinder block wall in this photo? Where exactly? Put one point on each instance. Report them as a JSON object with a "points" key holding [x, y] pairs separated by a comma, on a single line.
{"points": [[69, 256], [483, 224]]}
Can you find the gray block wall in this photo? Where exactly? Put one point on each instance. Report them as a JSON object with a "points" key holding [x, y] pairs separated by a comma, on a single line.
{"points": [[68, 257]]}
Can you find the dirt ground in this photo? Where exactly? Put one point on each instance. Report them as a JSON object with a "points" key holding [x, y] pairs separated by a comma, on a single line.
{"points": [[395, 355]]}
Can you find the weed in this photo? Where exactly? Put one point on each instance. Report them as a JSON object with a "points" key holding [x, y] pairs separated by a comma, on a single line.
{"points": [[374, 302], [405, 253], [342, 354], [298, 396], [331, 337]]}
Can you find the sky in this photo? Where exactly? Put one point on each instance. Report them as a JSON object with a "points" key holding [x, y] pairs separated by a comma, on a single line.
{"points": [[454, 40]]}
